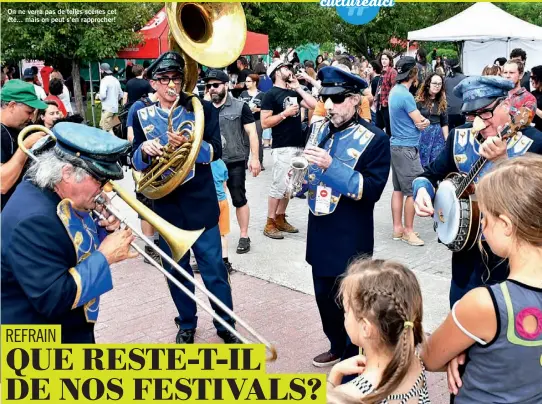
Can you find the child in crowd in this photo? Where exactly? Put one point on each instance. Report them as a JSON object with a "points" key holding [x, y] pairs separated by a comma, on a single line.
{"points": [[220, 176], [500, 326], [383, 315]]}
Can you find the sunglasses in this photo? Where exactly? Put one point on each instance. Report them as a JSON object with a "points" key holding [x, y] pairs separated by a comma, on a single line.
{"points": [[335, 98], [214, 85], [166, 80]]}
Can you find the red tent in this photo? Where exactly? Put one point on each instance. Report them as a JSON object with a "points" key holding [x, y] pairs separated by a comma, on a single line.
{"points": [[156, 33]]}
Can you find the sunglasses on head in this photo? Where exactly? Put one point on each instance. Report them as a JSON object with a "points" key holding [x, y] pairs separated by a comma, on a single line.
{"points": [[335, 98], [214, 85]]}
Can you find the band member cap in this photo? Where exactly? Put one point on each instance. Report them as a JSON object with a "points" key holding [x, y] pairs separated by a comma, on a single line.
{"points": [[404, 66], [480, 91], [337, 81], [95, 150], [166, 62], [23, 92], [216, 74]]}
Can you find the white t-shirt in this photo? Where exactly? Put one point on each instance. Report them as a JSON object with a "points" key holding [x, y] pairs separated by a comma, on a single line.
{"points": [[40, 92]]}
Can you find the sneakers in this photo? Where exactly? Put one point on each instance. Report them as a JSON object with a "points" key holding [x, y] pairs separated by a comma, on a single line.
{"points": [[228, 337], [412, 239], [153, 254], [271, 230], [284, 226], [325, 359], [229, 266], [244, 245]]}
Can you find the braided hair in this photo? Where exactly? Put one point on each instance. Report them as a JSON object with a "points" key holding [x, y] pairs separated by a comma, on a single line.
{"points": [[388, 295]]}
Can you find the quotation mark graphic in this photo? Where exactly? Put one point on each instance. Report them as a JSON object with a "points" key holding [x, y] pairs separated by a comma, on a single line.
{"points": [[357, 15]]}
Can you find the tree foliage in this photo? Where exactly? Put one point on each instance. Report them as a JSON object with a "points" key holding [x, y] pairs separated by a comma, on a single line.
{"points": [[294, 24]]}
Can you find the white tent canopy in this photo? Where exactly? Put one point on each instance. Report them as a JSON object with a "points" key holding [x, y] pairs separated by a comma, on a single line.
{"points": [[488, 32]]}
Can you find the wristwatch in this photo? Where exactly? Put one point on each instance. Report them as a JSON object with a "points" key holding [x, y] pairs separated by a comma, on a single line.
{"points": [[282, 116]]}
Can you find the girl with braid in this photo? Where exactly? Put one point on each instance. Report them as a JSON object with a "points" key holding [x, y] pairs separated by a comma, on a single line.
{"points": [[500, 326], [383, 315]]}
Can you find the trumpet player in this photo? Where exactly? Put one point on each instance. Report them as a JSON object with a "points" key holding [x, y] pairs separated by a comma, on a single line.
{"points": [[193, 204], [56, 255], [347, 173]]}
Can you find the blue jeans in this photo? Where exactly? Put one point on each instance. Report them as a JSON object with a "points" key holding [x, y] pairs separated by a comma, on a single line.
{"points": [[208, 252]]}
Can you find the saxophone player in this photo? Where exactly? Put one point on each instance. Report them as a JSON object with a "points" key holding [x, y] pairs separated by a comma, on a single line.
{"points": [[193, 204], [348, 170]]}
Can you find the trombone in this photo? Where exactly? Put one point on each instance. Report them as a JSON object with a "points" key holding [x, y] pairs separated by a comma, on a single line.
{"points": [[177, 239]]}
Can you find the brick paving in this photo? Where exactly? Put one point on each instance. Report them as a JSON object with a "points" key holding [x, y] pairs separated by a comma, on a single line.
{"points": [[272, 291]]}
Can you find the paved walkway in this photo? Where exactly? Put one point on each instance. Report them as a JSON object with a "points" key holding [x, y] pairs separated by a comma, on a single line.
{"points": [[272, 290]]}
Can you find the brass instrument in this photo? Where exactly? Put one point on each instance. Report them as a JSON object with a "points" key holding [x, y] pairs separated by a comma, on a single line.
{"points": [[212, 34], [178, 240]]}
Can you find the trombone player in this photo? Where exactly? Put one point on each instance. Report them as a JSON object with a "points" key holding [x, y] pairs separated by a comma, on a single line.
{"points": [[56, 256], [193, 205]]}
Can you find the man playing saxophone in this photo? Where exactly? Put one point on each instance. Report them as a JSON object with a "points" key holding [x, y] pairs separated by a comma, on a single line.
{"points": [[347, 173], [56, 254], [193, 205]]}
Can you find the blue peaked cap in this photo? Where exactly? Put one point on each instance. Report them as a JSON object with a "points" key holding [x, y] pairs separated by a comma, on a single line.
{"points": [[480, 91], [92, 149], [337, 81]]}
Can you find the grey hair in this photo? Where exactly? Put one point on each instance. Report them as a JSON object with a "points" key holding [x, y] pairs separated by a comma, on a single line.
{"points": [[46, 171]]}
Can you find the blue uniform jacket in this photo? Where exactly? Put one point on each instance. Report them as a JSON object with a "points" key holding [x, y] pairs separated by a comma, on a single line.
{"points": [[192, 205], [45, 280], [459, 154], [357, 177]]}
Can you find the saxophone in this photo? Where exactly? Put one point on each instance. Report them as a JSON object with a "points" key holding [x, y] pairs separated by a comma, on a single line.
{"points": [[299, 165]]}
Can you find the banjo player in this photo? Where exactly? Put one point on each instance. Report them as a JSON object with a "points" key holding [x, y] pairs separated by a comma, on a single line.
{"points": [[485, 104]]}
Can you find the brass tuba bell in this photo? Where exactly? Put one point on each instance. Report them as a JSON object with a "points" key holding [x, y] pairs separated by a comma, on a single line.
{"points": [[212, 34]]}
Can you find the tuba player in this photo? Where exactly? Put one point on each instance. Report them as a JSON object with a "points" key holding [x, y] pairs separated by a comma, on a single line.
{"points": [[193, 205]]}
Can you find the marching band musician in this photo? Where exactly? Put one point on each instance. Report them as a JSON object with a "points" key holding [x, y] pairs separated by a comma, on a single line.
{"points": [[485, 101], [45, 280], [193, 205], [347, 174]]}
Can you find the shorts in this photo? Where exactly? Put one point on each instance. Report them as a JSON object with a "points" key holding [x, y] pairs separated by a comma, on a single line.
{"points": [[406, 167], [282, 159], [224, 218], [149, 203], [236, 183], [106, 121]]}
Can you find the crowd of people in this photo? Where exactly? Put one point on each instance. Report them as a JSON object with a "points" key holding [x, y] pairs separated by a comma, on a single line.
{"points": [[354, 122]]}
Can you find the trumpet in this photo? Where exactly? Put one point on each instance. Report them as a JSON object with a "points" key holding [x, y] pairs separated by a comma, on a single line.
{"points": [[299, 165], [178, 240]]}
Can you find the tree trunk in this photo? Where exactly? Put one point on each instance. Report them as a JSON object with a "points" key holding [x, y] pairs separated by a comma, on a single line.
{"points": [[77, 93]]}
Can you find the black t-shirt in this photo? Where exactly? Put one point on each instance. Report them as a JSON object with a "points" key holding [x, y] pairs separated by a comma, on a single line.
{"points": [[256, 100], [9, 147], [374, 85], [241, 78], [246, 115], [288, 132], [537, 120], [137, 88]]}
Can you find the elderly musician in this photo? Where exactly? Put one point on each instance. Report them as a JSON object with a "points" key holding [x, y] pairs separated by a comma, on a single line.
{"points": [[485, 103], [193, 205], [56, 254], [349, 167]]}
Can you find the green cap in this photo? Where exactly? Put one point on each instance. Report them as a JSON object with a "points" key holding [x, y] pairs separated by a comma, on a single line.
{"points": [[23, 92]]}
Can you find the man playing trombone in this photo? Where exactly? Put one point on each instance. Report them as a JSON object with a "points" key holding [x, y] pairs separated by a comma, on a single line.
{"points": [[56, 255], [193, 205], [349, 164]]}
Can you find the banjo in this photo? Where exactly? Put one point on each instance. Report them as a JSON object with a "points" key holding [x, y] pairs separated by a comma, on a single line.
{"points": [[457, 217]]}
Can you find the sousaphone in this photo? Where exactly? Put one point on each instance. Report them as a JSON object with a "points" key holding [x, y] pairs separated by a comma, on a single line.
{"points": [[213, 35]]}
